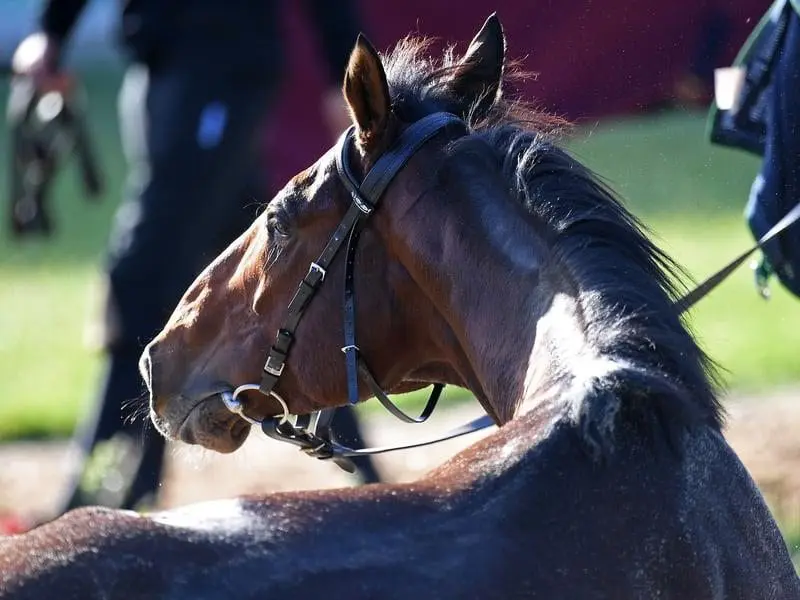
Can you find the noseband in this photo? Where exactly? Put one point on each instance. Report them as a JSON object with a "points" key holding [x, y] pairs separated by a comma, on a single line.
{"points": [[311, 432]]}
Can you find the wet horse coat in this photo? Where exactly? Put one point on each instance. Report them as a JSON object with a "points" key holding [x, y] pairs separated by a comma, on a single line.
{"points": [[499, 263]]}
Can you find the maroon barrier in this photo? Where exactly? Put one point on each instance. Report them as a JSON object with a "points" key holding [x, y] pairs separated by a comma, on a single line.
{"points": [[594, 58]]}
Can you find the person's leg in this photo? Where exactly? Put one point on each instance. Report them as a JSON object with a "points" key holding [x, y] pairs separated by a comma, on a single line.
{"points": [[121, 382], [201, 166], [125, 439], [239, 195], [346, 430], [189, 140]]}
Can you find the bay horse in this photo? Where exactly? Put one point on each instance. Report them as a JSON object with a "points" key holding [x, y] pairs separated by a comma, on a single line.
{"points": [[496, 262]]}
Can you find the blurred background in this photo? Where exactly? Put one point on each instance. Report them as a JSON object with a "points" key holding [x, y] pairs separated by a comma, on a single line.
{"points": [[636, 78]]}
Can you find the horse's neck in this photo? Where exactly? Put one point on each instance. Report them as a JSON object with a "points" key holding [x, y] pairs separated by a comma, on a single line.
{"points": [[620, 355], [481, 272], [519, 323], [536, 314], [566, 355], [534, 337]]}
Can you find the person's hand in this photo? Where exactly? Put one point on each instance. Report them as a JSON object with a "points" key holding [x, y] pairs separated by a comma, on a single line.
{"points": [[334, 112], [37, 56]]}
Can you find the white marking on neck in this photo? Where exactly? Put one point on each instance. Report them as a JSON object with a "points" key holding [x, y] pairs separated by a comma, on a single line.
{"points": [[562, 356], [214, 515]]}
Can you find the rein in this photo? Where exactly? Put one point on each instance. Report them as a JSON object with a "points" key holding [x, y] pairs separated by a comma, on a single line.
{"points": [[311, 432]]}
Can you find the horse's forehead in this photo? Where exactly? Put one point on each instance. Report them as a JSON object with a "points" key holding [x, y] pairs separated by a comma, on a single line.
{"points": [[310, 180], [305, 177]]}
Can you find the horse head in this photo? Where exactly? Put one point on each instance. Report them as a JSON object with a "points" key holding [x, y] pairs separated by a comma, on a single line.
{"points": [[217, 337]]}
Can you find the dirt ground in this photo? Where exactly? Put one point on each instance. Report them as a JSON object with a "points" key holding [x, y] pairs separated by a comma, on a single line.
{"points": [[764, 430]]}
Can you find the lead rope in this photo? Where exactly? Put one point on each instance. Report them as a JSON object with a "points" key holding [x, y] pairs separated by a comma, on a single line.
{"points": [[705, 288]]}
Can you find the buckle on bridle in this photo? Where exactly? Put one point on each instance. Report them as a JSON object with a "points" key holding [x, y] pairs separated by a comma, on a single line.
{"points": [[315, 268], [363, 206], [322, 451], [274, 370], [350, 348]]}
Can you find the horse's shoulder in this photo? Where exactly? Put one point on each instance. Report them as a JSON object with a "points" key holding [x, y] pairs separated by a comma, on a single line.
{"points": [[725, 518]]}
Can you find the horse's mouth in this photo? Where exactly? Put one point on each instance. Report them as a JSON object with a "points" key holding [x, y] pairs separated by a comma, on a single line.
{"points": [[211, 425]]}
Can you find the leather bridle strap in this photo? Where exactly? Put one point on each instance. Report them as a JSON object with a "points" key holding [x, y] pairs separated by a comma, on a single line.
{"points": [[311, 432], [365, 197], [370, 191], [355, 363], [327, 449], [276, 359], [701, 291]]}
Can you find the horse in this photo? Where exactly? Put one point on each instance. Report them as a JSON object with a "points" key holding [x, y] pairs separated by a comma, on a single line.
{"points": [[487, 257]]}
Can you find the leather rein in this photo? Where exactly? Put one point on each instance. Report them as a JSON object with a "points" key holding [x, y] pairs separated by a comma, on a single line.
{"points": [[311, 432]]}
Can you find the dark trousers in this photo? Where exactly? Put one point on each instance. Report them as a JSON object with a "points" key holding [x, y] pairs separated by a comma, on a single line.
{"points": [[191, 138], [776, 189]]}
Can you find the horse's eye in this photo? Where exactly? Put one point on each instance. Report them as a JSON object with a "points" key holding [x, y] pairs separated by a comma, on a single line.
{"points": [[278, 226]]}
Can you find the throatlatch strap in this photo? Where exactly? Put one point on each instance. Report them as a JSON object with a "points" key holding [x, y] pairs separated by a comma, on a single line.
{"points": [[366, 196], [387, 403], [349, 319]]}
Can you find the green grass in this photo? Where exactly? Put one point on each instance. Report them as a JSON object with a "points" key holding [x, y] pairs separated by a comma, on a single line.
{"points": [[691, 196], [689, 193], [46, 373], [791, 533]]}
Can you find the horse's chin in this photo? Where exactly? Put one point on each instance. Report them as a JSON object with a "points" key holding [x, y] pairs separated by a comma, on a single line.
{"points": [[211, 425]]}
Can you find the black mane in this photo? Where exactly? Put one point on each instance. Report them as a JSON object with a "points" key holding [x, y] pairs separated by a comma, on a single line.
{"points": [[627, 285]]}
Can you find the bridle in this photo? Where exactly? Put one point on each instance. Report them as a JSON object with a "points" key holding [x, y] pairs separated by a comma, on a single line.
{"points": [[311, 432]]}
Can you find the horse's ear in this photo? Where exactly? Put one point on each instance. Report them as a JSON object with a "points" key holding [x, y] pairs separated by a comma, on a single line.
{"points": [[367, 93], [479, 74]]}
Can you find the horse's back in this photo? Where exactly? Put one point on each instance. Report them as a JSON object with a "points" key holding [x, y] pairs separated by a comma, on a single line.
{"points": [[98, 553], [644, 523], [67, 558], [689, 526]]}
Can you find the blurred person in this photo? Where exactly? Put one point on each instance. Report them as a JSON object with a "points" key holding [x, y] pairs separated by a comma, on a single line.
{"points": [[202, 79], [764, 118], [695, 86]]}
